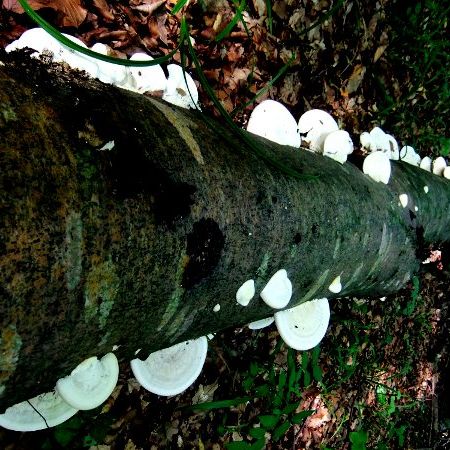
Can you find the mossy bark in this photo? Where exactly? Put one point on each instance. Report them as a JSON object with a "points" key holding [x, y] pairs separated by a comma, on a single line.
{"points": [[125, 220]]}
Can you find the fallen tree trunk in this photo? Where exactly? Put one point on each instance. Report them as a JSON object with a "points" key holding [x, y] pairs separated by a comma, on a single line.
{"points": [[125, 220]]}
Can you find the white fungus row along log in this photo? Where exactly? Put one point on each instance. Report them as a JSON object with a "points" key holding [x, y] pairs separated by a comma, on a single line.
{"points": [[168, 222]]}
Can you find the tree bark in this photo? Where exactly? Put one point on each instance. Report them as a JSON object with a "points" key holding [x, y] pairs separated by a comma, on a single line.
{"points": [[125, 220]]}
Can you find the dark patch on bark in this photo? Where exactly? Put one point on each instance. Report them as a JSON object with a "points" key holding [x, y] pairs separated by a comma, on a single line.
{"points": [[297, 238], [315, 229], [204, 246], [135, 176]]}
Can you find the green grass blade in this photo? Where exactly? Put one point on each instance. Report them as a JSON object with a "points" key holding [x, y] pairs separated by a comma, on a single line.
{"points": [[269, 15], [72, 45], [269, 84], [207, 406], [178, 6], [237, 17], [245, 137]]}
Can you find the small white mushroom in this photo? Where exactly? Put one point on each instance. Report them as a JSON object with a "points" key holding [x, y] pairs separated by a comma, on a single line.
{"points": [[90, 383], [316, 124], [335, 285], [38, 413], [425, 163], [178, 91], [379, 141], [365, 140], [273, 121], [403, 200], [278, 290], [245, 293], [446, 173], [147, 79], [439, 166], [409, 155], [108, 72], [426, 189], [305, 325], [394, 153], [37, 39], [337, 145], [216, 308], [172, 370], [262, 323], [378, 166]]}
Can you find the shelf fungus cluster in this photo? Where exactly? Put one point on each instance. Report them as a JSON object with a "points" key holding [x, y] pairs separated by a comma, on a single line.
{"points": [[179, 88], [172, 370], [301, 327], [87, 387], [316, 129]]}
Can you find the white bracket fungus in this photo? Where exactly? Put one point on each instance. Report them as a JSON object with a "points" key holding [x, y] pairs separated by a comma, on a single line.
{"points": [[179, 91], [172, 370], [147, 79], [337, 145], [403, 200], [245, 293], [278, 290], [316, 124], [90, 383], [108, 72], [379, 141], [409, 155], [305, 325], [36, 39], [439, 166], [378, 166], [273, 121], [446, 173], [262, 323], [335, 285], [425, 163], [38, 413], [393, 148]]}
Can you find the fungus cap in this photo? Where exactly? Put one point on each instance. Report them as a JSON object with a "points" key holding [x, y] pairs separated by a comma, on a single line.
{"points": [[365, 140], [426, 163], [172, 370], [178, 91], [108, 72], [23, 416], [403, 200], [148, 79], [316, 124], [305, 325], [446, 173], [378, 166], [278, 290], [439, 166], [394, 152], [245, 293], [335, 285], [337, 145], [379, 141], [37, 39], [262, 323], [273, 121], [409, 155], [90, 383]]}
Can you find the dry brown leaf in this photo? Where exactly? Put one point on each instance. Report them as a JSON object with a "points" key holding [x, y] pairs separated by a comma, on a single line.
{"points": [[74, 14], [379, 51], [103, 8]]}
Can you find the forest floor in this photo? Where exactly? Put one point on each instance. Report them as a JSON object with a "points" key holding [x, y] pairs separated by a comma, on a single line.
{"points": [[380, 377]]}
